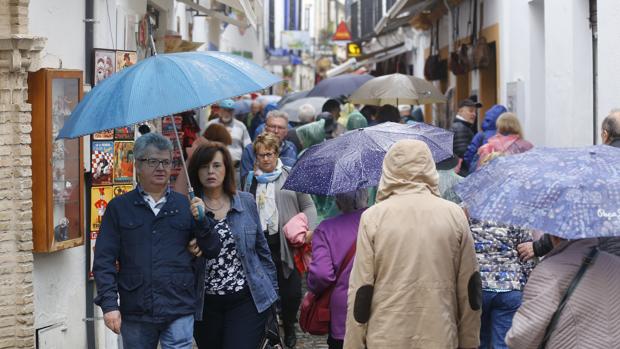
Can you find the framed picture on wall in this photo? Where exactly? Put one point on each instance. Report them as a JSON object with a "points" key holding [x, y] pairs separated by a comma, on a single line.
{"points": [[125, 59], [104, 64]]}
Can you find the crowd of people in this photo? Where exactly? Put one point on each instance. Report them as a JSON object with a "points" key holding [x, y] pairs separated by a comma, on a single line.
{"points": [[217, 268]]}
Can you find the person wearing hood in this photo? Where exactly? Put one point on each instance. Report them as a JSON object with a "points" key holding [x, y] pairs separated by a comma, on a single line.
{"points": [[489, 129], [415, 280]]}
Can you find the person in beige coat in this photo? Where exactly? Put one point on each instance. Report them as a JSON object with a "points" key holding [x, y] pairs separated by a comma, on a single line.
{"points": [[591, 317], [415, 280]]}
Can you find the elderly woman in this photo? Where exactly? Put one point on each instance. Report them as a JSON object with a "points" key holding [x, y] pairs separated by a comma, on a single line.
{"points": [[508, 140], [276, 207], [240, 284], [331, 242]]}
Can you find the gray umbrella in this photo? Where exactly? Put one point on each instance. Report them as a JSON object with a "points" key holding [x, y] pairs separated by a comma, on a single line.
{"points": [[397, 89], [292, 108]]}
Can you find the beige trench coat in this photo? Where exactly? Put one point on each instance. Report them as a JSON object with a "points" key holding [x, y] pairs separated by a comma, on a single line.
{"points": [[417, 251], [590, 319]]}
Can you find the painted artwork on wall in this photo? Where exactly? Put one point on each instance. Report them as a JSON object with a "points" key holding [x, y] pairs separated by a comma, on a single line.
{"points": [[123, 162], [104, 64], [102, 157], [126, 133], [125, 59], [103, 135], [99, 197], [122, 189]]}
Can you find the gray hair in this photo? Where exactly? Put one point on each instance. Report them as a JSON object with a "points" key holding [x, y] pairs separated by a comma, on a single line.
{"points": [[353, 200], [306, 113], [277, 114], [155, 140], [611, 124]]}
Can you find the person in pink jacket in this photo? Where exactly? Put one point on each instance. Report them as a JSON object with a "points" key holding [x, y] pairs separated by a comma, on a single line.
{"points": [[331, 242]]}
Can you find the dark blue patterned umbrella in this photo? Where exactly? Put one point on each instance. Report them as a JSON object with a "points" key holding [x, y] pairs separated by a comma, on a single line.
{"points": [[354, 160], [572, 193]]}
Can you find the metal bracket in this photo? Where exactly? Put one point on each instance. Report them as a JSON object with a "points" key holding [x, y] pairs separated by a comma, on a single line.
{"points": [[90, 20]]}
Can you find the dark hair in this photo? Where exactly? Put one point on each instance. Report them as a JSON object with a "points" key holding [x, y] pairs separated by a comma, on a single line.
{"points": [[330, 105], [217, 133], [388, 113], [369, 112], [203, 156]]}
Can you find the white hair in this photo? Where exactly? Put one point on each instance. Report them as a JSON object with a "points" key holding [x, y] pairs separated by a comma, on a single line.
{"points": [[353, 200], [306, 113]]}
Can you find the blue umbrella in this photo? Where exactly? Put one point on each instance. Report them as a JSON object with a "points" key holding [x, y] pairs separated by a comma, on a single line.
{"points": [[341, 85], [354, 160], [164, 85], [572, 193]]}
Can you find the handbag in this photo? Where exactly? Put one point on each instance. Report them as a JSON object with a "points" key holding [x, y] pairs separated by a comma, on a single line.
{"points": [[588, 260], [435, 68], [272, 338], [315, 315], [459, 57], [482, 54]]}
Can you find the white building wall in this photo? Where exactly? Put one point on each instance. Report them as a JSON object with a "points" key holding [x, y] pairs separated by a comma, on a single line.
{"points": [[59, 278], [608, 55]]}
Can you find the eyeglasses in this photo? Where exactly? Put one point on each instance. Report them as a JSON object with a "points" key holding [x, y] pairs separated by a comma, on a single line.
{"points": [[154, 163], [265, 155]]}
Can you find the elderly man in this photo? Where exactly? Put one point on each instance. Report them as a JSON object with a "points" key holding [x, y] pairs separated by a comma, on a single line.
{"points": [[238, 131], [415, 280], [276, 123], [463, 128], [307, 114], [590, 318], [147, 232]]}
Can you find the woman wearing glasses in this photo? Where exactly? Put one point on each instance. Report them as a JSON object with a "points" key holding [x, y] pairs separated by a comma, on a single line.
{"points": [[275, 208], [239, 285]]}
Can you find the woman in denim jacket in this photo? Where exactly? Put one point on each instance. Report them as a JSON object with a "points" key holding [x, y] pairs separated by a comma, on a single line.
{"points": [[240, 285]]}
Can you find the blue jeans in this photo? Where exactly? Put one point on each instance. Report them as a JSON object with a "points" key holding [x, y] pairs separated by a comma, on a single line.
{"points": [[498, 309], [177, 334]]}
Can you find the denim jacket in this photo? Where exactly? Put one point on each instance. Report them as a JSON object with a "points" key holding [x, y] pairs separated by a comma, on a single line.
{"points": [[252, 248]]}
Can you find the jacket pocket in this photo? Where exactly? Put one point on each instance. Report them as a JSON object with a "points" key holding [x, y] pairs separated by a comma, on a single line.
{"points": [[131, 230], [250, 236], [179, 295], [131, 293]]}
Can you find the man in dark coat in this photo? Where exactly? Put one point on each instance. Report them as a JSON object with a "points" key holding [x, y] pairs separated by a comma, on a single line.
{"points": [[142, 257], [462, 128]]}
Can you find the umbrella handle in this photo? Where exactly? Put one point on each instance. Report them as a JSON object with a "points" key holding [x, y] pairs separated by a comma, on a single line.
{"points": [[201, 213]]}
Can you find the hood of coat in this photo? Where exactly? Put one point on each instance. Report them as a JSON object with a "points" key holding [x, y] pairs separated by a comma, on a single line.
{"points": [[408, 168], [311, 134], [491, 116]]}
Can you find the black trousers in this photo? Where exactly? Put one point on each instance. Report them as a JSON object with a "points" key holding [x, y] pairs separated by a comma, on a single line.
{"points": [[230, 322], [289, 288], [334, 343]]}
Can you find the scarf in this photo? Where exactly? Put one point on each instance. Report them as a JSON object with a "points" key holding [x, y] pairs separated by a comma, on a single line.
{"points": [[266, 199]]}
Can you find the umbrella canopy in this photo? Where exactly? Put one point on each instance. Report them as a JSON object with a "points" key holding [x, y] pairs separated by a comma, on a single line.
{"points": [[292, 108], [572, 193], [397, 89], [268, 99], [163, 85], [341, 85], [291, 97], [354, 160]]}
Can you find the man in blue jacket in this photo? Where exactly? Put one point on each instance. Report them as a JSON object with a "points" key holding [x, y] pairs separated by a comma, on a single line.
{"points": [[489, 129], [147, 231]]}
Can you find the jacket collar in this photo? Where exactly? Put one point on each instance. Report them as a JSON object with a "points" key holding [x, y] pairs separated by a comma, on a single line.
{"points": [[236, 203], [616, 143], [136, 196]]}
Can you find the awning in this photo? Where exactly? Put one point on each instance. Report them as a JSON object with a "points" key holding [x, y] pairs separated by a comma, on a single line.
{"points": [[250, 15], [400, 13]]}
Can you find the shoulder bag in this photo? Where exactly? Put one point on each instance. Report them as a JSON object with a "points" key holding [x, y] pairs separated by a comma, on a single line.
{"points": [[315, 315]]}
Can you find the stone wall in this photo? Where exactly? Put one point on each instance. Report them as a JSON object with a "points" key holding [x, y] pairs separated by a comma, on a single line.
{"points": [[18, 55]]}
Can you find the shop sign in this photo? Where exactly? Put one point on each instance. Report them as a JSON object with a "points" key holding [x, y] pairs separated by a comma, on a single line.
{"points": [[354, 50]]}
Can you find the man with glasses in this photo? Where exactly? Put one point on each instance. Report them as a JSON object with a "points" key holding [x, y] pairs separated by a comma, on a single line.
{"points": [[276, 123], [147, 231]]}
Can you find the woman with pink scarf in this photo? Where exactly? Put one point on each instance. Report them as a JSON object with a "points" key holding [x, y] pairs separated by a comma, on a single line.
{"points": [[508, 140]]}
